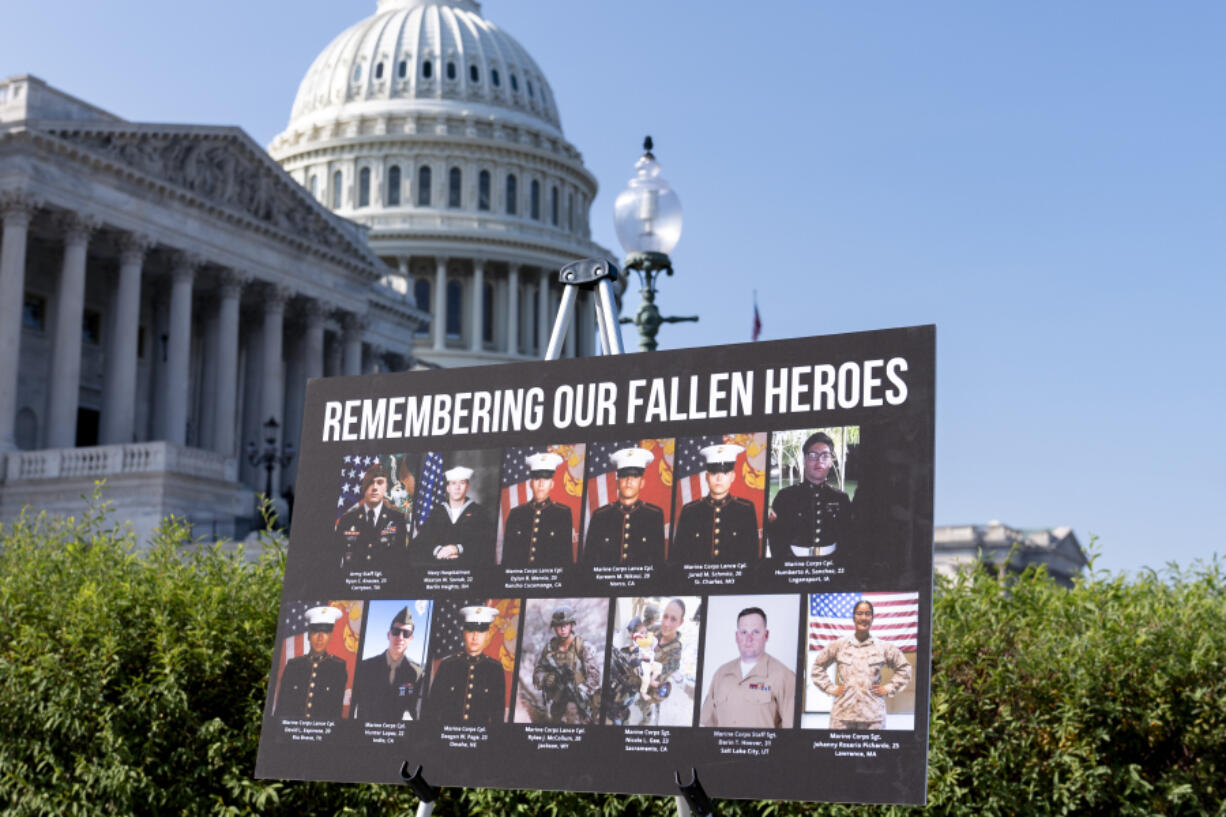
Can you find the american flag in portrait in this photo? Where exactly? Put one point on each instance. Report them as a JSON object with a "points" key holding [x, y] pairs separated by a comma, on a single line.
{"points": [[515, 489], [515, 477], [448, 632], [353, 468], [895, 618], [433, 487], [690, 466]]}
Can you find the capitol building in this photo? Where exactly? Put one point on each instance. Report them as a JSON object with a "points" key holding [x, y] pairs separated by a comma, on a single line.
{"points": [[167, 290]]}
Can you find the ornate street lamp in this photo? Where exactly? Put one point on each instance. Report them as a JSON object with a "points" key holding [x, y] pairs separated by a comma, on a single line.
{"points": [[269, 456], [647, 215]]}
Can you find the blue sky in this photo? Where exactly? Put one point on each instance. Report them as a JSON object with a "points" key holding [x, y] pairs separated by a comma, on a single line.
{"points": [[1046, 182]]}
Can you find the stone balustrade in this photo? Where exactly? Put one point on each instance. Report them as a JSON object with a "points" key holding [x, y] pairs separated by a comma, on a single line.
{"points": [[102, 461]]}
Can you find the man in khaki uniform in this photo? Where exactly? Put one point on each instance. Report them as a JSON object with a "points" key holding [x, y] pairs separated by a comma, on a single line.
{"points": [[754, 691]]}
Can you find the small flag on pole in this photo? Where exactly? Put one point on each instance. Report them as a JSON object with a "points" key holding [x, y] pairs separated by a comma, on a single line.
{"points": [[757, 319]]}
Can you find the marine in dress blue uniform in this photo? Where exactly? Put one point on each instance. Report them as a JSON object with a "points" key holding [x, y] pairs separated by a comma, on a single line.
{"points": [[718, 527], [627, 530]]}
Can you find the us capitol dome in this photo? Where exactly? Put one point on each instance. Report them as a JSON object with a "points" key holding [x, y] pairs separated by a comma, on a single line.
{"points": [[436, 131]]}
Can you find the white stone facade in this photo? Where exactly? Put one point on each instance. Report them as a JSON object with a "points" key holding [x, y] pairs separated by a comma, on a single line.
{"points": [[165, 290], [435, 129]]}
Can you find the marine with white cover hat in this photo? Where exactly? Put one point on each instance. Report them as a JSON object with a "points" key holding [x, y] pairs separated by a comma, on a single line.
{"points": [[459, 532], [470, 687], [539, 533], [627, 530], [718, 527], [313, 685], [813, 518]]}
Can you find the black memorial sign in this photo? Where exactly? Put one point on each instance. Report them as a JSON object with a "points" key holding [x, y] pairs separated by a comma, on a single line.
{"points": [[588, 574]]}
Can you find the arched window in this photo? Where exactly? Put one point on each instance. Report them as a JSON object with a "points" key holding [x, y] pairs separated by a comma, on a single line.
{"points": [[421, 297], [530, 88], [455, 305], [423, 186], [553, 205], [534, 202], [453, 187], [497, 80], [570, 211], [427, 69], [483, 190], [473, 74], [514, 83], [336, 190], [487, 314], [379, 70], [393, 186], [357, 72], [450, 70], [512, 192], [402, 68], [314, 186], [364, 187]]}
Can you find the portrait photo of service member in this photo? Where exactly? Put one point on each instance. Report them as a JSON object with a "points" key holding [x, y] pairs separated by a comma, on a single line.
{"points": [[654, 659], [625, 527], [470, 685], [389, 682], [540, 498], [455, 526], [716, 524], [371, 533], [313, 679], [861, 672], [755, 689], [812, 517], [564, 651]]}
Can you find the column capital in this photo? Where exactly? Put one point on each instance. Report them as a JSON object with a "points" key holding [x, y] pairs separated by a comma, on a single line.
{"points": [[513, 267], [133, 247], [314, 312], [440, 262], [353, 325], [276, 297], [183, 265], [18, 205], [479, 264], [76, 227], [230, 282]]}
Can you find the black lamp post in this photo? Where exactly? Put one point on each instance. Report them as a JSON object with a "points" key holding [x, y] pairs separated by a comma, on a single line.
{"points": [[269, 455], [647, 215]]}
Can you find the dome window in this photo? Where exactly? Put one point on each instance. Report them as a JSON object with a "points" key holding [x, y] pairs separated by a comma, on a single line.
{"points": [[534, 200], [421, 295], [487, 314], [357, 72], [393, 186], [427, 69], [483, 190], [314, 186], [553, 206], [494, 78], [450, 70], [379, 70], [512, 191], [454, 179], [455, 297], [570, 211], [530, 88], [423, 186], [473, 74], [364, 187], [514, 83], [336, 190], [402, 69]]}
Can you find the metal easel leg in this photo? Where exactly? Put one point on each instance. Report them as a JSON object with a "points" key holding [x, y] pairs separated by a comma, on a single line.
{"points": [[562, 324], [588, 273]]}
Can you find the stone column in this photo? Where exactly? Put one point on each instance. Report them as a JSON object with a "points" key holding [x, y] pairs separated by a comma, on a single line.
{"points": [[16, 209], [271, 371], [119, 383], [439, 327], [65, 386], [354, 331], [545, 325], [476, 336], [225, 413], [178, 349], [513, 309]]}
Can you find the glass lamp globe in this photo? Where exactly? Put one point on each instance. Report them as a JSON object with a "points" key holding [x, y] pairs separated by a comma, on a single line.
{"points": [[647, 214]]}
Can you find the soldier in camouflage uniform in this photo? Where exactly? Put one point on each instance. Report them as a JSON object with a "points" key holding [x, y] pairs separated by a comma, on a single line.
{"points": [[859, 696], [668, 653], [566, 671]]}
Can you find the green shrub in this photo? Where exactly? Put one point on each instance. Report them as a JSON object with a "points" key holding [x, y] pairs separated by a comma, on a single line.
{"points": [[133, 683]]}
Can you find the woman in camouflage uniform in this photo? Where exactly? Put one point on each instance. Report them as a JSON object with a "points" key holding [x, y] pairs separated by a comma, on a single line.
{"points": [[859, 696], [668, 653]]}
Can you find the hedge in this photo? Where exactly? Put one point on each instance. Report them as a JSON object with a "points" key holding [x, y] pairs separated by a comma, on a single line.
{"points": [[132, 681]]}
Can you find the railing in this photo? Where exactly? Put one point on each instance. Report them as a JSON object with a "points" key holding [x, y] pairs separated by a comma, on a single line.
{"points": [[107, 460]]}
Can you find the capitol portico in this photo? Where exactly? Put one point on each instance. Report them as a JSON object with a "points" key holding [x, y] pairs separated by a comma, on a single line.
{"points": [[165, 290]]}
